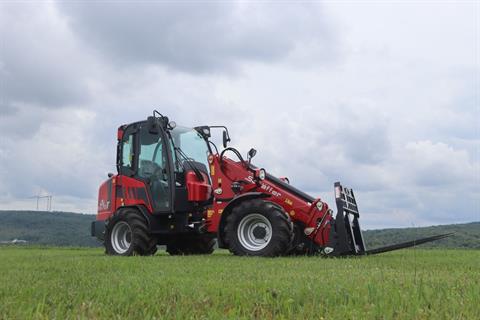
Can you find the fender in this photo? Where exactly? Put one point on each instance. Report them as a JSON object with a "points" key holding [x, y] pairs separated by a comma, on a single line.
{"points": [[228, 210], [154, 223], [97, 228], [142, 209]]}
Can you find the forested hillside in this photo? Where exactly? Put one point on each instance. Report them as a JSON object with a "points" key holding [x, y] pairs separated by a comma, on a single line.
{"points": [[72, 229], [466, 235], [47, 228]]}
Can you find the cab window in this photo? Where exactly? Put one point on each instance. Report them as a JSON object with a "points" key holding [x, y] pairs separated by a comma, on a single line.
{"points": [[127, 152]]}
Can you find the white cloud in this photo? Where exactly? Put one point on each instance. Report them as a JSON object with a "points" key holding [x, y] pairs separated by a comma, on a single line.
{"points": [[431, 164], [198, 37], [61, 157], [40, 62]]}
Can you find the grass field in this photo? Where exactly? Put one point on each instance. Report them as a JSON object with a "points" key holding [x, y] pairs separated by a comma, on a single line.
{"points": [[45, 283]]}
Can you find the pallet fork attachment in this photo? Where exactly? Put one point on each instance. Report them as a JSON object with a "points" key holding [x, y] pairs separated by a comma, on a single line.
{"points": [[346, 235]]}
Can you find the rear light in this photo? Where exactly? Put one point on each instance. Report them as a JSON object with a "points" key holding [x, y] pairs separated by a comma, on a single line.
{"points": [[120, 134]]}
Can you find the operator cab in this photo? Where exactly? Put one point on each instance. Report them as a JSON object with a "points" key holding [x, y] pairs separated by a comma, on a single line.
{"points": [[171, 161]]}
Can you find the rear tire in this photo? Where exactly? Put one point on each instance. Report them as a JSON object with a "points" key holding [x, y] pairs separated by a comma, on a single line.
{"points": [[126, 234], [196, 244], [258, 228]]}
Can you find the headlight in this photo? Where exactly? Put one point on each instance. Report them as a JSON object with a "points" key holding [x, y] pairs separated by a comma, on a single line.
{"points": [[320, 205], [261, 174]]}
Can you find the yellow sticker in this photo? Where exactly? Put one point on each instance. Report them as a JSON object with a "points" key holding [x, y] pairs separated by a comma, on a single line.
{"points": [[292, 213], [219, 180], [220, 211], [212, 170], [210, 213], [288, 201]]}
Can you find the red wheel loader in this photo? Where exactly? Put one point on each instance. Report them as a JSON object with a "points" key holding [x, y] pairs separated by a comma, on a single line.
{"points": [[175, 188]]}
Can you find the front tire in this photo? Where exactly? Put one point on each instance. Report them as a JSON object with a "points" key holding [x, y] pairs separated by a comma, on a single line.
{"points": [[126, 234], [258, 228]]}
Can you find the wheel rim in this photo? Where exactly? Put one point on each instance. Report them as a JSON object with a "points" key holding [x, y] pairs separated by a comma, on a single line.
{"points": [[121, 237], [254, 232]]}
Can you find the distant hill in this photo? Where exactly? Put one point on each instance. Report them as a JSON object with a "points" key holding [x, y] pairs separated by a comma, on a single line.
{"points": [[47, 228], [467, 235], [72, 229]]}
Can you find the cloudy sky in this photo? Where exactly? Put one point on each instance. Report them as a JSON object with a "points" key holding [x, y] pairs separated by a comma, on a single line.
{"points": [[381, 96]]}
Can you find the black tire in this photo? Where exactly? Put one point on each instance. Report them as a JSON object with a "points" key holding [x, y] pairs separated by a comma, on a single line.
{"points": [[197, 244], [278, 230], [139, 241]]}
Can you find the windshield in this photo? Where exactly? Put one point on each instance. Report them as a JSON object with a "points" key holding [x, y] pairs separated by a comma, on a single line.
{"points": [[191, 143]]}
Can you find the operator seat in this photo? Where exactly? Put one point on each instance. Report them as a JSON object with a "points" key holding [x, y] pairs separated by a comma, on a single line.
{"points": [[158, 182]]}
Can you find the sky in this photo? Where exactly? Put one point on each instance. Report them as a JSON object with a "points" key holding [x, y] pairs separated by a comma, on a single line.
{"points": [[382, 96]]}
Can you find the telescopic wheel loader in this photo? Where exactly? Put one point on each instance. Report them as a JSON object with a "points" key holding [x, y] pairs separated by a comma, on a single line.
{"points": [[175, 188]]}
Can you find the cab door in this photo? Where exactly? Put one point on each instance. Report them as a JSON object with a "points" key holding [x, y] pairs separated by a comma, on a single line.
{"points": [[154, 167], [146, 157]]}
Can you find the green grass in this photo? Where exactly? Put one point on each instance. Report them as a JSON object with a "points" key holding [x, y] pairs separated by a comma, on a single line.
{"points": [[83, 283]]}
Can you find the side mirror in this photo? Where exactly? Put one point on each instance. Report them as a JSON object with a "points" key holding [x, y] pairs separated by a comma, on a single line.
{"points": [[226, 139], [251, 153]]}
